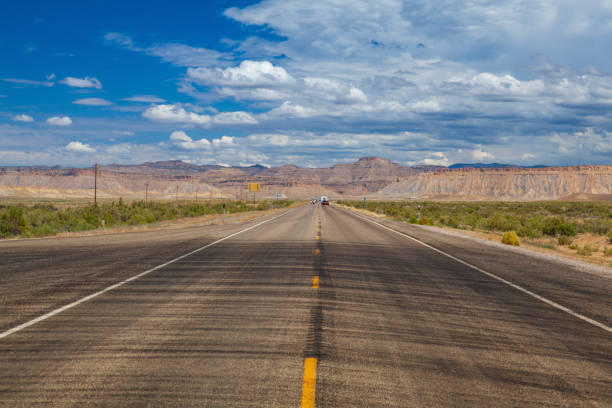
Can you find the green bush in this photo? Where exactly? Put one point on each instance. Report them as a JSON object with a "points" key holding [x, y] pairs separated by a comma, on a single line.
{"points": [[510, 238], [564, 240], [554, 226], [13, 222], [45, 219], [527, 232], [528, 219]]}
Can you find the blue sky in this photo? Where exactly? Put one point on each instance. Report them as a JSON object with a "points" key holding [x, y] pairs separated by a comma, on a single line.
{"points": [[311, 83]]}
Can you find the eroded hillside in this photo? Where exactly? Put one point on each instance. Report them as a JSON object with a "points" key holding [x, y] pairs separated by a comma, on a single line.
{"points": [[369, 176], [549, 183]]}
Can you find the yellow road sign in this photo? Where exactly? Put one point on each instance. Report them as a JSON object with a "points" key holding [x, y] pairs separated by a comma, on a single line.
{"points": [[254, 187]]}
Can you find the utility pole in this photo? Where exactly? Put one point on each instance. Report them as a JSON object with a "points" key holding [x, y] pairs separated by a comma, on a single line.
{"points": [[146, 192], [96, 184]]}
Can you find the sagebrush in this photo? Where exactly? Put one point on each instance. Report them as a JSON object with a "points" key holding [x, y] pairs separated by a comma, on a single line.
{"points": [[528, 219], [46, 219]]}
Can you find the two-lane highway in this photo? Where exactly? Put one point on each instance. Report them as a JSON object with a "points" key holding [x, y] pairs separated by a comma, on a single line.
{"points": [[315, 307]]}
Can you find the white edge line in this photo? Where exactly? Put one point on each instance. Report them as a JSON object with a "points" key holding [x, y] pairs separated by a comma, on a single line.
{"points": [[491, 275], [116, 285]]}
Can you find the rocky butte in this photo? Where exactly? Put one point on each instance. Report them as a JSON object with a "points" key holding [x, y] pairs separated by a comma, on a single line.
{"points": [[375, 177]]}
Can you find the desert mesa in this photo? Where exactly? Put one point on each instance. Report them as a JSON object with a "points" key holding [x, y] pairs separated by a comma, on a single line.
{"points": [[373, 177]]}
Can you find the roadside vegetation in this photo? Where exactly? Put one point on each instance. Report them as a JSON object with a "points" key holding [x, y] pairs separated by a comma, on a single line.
{"points": [[545, 224], [18, 220]]}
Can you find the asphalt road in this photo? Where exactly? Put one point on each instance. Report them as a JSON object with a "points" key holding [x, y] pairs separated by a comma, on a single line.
{"points": [[316, 303]]}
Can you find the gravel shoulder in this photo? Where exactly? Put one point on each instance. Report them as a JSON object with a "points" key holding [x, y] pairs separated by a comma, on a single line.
{"points": [[582, 287], [584, 264]]}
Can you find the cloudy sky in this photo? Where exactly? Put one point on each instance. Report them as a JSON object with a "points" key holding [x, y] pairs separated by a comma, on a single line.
{"points": [[311, 83]]}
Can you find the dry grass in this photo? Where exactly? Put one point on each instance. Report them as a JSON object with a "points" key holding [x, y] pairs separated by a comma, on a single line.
{"points": [[542, 243]]}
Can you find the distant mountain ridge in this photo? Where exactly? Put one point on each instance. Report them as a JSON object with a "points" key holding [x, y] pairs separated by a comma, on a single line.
{"points": [[368, 176], [492, 166]]}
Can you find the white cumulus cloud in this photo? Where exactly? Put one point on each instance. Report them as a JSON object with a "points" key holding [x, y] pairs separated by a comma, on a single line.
{"points": [[247, 74], [291, 109], [181, 139], [79, 147], [171, 113], [438, 159], [59, 121], [234, 118], [479, 154], [87, 82], [23, 118], [334, 91], [224, 141]]}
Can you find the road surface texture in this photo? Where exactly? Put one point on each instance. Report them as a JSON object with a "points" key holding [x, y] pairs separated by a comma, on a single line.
{"points": [[317, 306]]}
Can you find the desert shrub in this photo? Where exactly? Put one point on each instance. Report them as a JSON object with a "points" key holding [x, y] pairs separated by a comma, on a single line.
{"points": [[451, 222], [13, 222], [510, 238], [499, 222], [527, 232], [607, 251], [528, 219], [425, 221], [45, 219], [595, 226], [610, 236], [564, 240], [558, 226], [586, 250]]}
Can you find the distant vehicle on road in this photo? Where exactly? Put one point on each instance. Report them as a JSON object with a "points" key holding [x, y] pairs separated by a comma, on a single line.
{"points": [[324, 200]]}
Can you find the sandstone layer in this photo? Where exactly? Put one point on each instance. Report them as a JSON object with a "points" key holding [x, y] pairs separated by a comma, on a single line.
{"points": [[373, 177], [79, 183], [548, 183]]}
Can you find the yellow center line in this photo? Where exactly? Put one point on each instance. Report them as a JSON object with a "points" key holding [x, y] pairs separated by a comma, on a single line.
{"points": [[315, 282], [309, 383]]}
